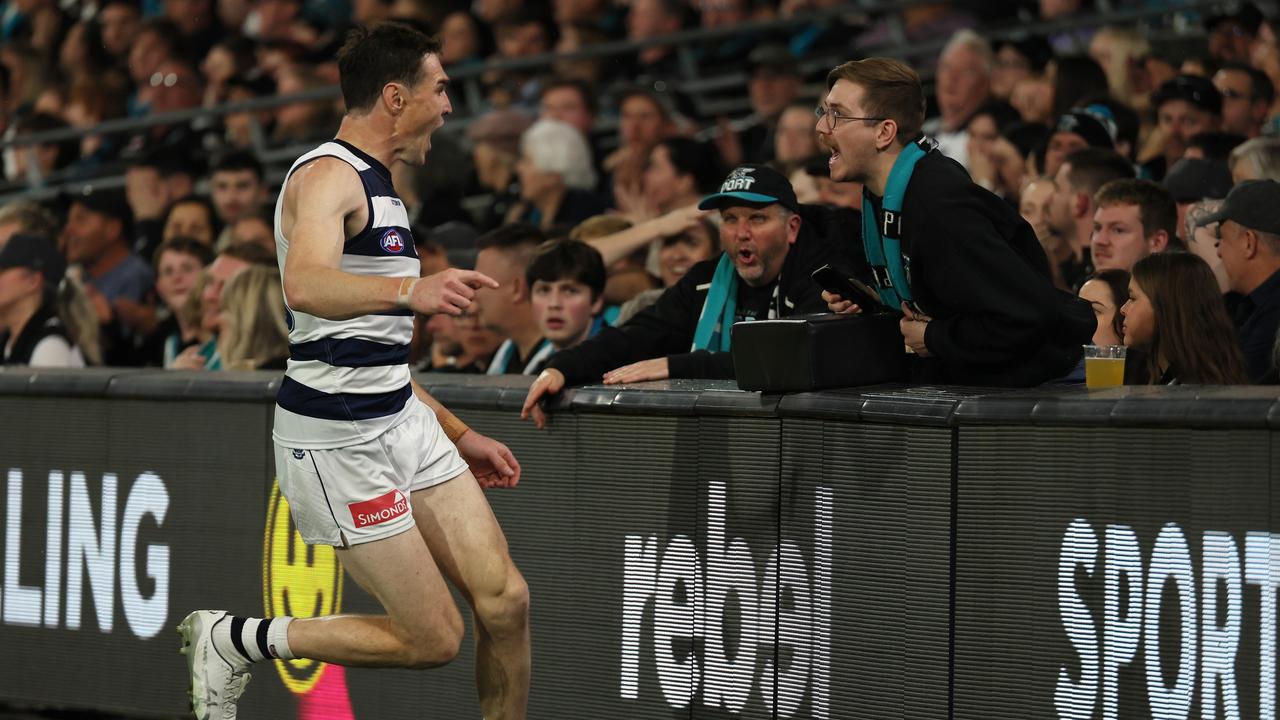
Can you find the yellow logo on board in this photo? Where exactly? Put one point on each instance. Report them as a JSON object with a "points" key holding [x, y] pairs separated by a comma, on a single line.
{"points": [[298, 580]]}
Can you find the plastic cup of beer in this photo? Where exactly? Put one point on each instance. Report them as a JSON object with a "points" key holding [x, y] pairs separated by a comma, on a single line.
{"points": [[1103, 366]]}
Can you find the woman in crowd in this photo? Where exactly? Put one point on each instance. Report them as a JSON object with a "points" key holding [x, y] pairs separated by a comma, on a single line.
{"points": [[680, 251], [556, 177], [253, 335], [1176, 316], [178, 264], [46, 320], [1107, 291]]}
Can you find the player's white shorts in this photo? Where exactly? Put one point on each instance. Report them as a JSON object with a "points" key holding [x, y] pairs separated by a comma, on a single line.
{"points": [[360, 493]]}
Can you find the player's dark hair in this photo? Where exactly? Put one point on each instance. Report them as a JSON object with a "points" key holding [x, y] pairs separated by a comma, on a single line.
{"points": [[372, 57]]}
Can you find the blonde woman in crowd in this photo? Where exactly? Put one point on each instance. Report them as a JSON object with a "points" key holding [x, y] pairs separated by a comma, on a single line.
{"points": [[253, 335]]}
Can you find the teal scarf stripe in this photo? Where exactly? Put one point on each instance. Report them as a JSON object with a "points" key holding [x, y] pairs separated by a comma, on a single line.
{"points": [[886, 252], [715, 324]]}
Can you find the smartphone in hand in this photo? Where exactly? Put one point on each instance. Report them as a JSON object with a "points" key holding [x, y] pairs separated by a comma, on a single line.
{"points": [[852, 289]]}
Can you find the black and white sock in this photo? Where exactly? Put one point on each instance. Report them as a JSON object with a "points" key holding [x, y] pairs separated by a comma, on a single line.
{"points": [[253, 639]]}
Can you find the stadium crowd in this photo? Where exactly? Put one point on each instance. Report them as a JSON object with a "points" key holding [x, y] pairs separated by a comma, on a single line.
{"points": [[1148, 174]]}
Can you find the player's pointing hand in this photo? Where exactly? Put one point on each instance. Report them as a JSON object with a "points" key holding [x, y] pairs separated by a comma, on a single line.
{"points": [[450, 291]]}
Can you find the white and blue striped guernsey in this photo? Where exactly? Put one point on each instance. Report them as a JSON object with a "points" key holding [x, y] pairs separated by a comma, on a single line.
{"points": [[347, 381]]}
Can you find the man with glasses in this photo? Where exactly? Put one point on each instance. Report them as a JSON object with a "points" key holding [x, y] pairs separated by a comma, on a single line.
{"points": [[1247, 94], [973, 283]]}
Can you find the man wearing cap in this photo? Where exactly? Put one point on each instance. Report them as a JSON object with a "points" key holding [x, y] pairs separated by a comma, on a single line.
{"points": [[1076, 129], [771, 244], [1185, 106], [775, 83], [1191, 180], [979, 306], [96, 238], [31, 333], [118, 282], [1249, 245]]}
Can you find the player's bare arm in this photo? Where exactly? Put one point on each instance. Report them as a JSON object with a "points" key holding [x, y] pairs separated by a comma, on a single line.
{"points": [[490, 461], [323, 202]]}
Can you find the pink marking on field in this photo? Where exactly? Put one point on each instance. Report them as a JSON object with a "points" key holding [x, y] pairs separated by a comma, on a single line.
{"points": [[329, 699]]}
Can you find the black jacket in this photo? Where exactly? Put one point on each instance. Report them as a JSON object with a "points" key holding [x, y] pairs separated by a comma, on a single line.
{"points": [[666, 328], [978, 271], [45, 323]]}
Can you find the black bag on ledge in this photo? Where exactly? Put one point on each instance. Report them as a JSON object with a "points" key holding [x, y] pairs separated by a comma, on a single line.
{"points": [[814, 352]]}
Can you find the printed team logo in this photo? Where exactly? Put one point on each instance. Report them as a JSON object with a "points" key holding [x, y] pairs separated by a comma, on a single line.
{"points": [[392, 242], [301, 581], [739, 179], [379, 510], [299, 454]]}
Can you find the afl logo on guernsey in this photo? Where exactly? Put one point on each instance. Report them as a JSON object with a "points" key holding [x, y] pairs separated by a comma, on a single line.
{"points": [[392, 243]]}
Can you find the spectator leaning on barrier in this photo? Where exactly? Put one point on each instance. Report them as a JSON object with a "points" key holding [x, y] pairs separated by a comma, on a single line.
{"points": [[1249, 245], [971, 277], [566, 287], [45, 320], [1175, 315], [771, 245], [1134, 219]]}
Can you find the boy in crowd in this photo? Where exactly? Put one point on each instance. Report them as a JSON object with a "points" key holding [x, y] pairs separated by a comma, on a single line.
{"points": [[566, 284]]}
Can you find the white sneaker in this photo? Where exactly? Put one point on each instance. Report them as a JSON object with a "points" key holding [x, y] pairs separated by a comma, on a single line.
{"points": [[216, 683]]}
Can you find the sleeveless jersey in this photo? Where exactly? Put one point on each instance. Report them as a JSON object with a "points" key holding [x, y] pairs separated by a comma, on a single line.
{"points": [[347, 381]]}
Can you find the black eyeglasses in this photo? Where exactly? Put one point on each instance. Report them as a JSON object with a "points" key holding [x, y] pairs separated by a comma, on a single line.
{"points": [[834, 118]]}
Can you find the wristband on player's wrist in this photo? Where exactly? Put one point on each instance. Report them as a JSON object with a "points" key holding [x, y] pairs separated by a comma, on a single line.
{"points": [[406, 291]]}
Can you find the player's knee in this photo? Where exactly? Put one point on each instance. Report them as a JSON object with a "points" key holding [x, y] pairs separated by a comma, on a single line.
{"points": [[508, 608], [436, 643]]}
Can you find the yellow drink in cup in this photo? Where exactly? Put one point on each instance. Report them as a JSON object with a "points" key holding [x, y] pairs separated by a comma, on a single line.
{"points": [[1103, 366]]}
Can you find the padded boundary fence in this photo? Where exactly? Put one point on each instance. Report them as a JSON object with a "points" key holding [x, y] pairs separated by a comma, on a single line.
{"points": [[692, 550]]}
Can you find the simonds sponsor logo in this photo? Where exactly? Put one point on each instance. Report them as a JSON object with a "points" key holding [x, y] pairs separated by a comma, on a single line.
{"points": [[379, 510]]}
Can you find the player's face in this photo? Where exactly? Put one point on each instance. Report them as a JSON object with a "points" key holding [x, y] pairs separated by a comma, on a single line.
{"points": [[426, 105]]}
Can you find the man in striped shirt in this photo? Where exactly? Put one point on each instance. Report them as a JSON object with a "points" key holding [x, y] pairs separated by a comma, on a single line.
{"points": [[364, 455]]}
